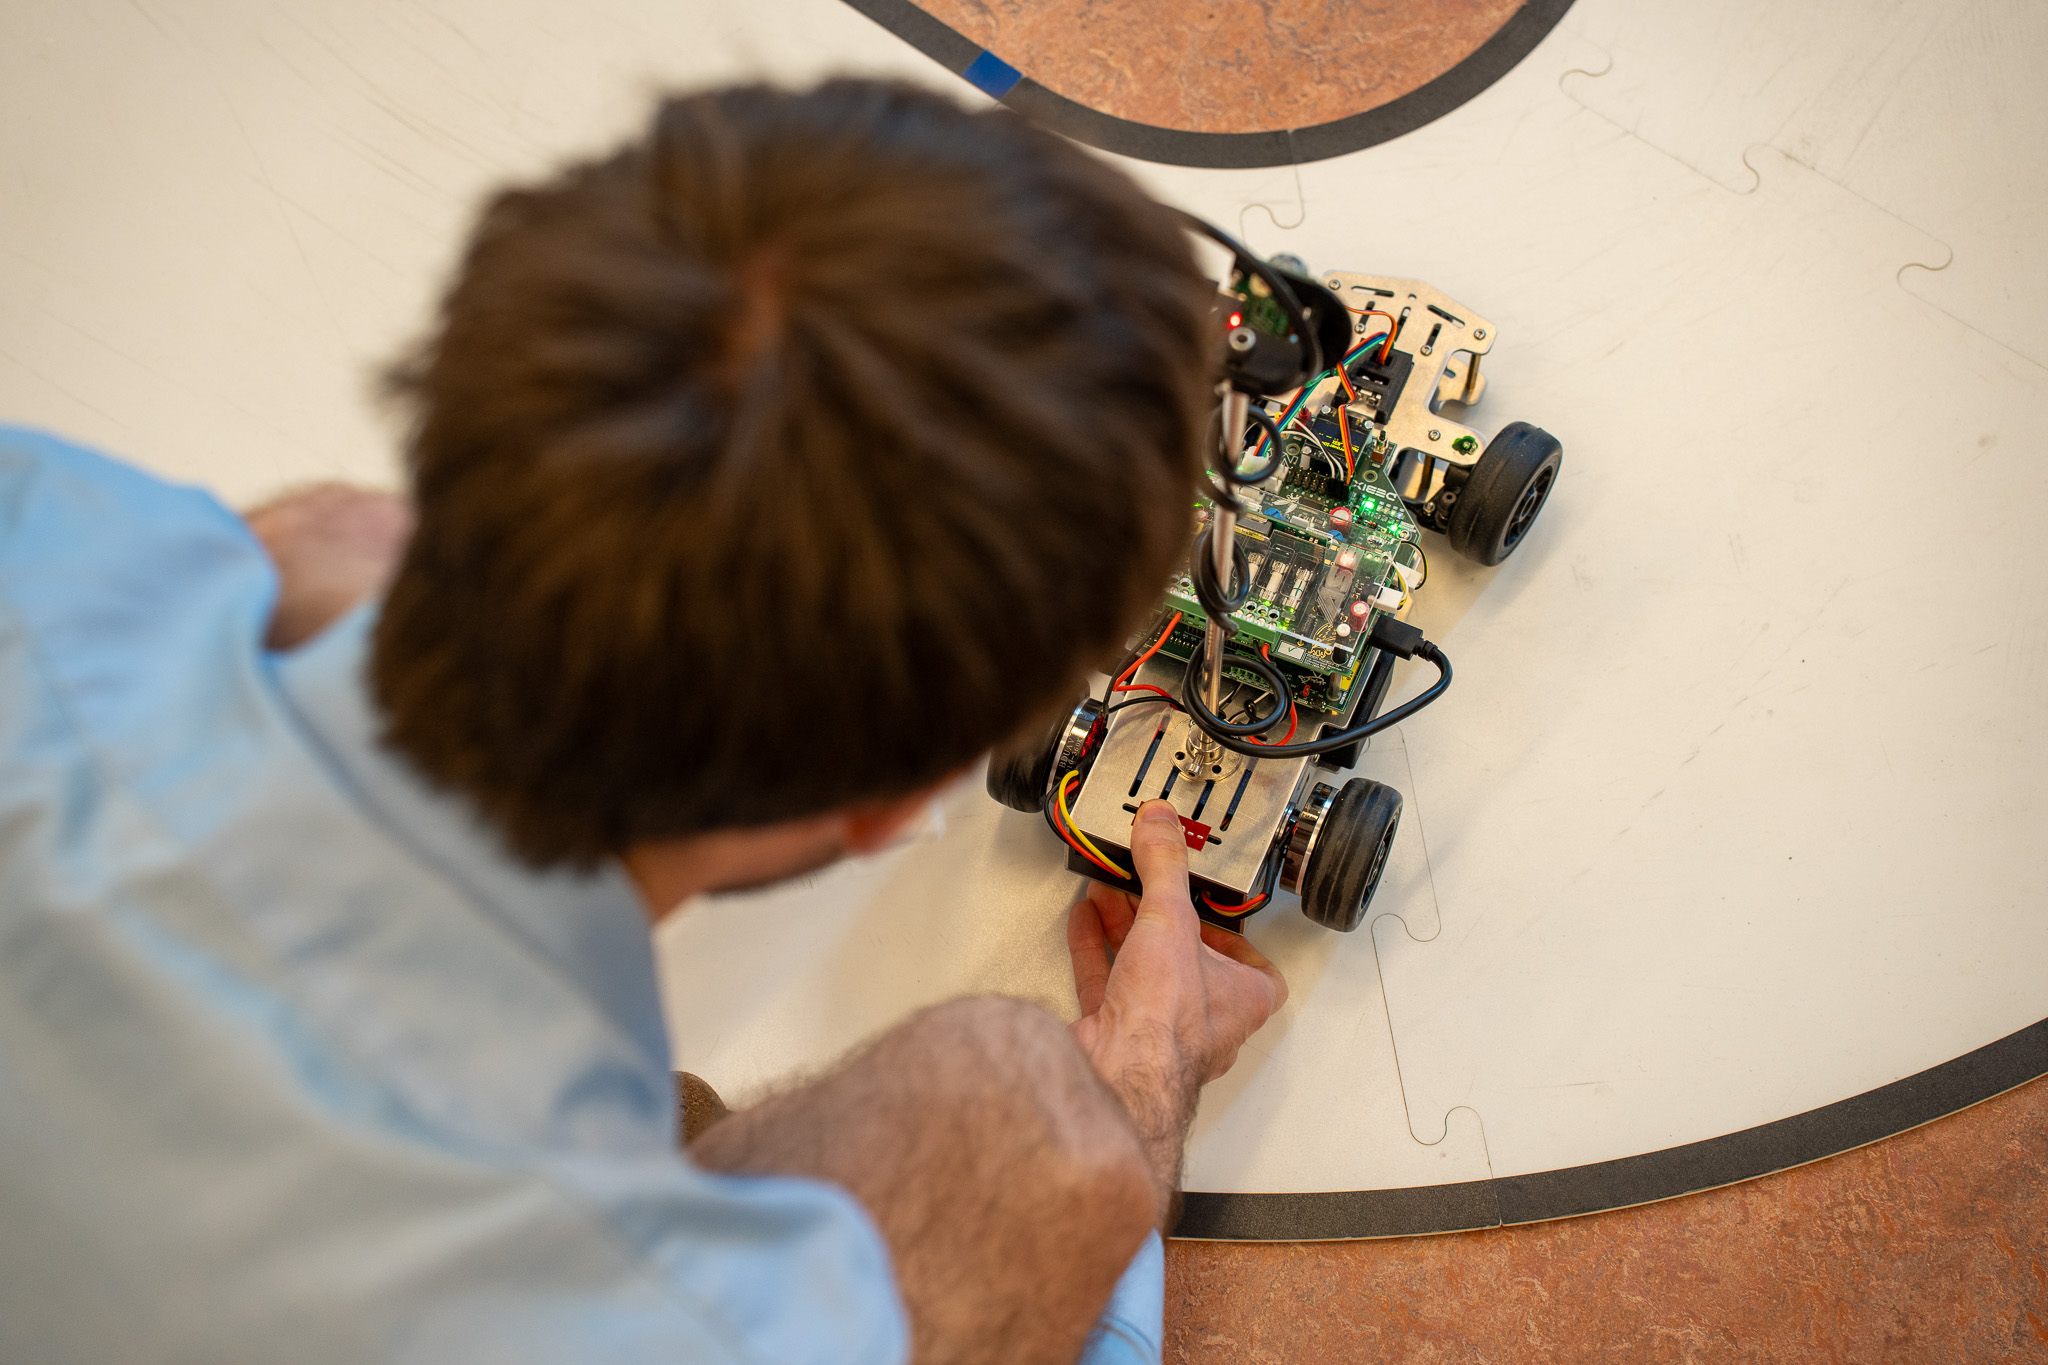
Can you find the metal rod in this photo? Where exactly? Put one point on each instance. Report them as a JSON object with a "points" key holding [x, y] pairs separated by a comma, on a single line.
{"points": [[1222, 544]]}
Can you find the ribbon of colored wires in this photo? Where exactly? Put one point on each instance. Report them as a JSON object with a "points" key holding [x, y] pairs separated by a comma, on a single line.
{"points": [[1233, 911], [1293, 409], [1393, 326], [1265, 893], [1344, 424], [1062, 817]]}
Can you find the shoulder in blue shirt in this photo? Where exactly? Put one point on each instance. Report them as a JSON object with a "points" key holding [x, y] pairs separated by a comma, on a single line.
{"points": [[295, 1063]]}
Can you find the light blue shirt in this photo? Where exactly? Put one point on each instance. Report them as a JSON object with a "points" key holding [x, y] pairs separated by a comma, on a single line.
{"points": [[295, 1063]]}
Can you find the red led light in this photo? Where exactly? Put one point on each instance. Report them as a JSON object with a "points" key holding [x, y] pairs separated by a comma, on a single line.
{"points": [[1237, 319]]}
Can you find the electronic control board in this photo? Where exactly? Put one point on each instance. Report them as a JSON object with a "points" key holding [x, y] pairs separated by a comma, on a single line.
{"points": [[1333, 485], [1327, 544]]}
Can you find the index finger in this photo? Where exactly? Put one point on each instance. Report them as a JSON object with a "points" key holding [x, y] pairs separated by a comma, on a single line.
{"points": [[1088, 947]]}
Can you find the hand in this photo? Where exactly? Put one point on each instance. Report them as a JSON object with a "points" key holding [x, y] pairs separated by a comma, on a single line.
{"points": [[1181, 998], [333, 546]]}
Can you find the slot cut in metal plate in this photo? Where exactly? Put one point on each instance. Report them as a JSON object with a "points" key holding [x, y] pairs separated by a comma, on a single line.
{"points": [[1231, 857]]}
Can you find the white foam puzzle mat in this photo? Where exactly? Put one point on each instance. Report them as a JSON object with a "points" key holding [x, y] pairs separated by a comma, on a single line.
{"points": [[1724, 851]]}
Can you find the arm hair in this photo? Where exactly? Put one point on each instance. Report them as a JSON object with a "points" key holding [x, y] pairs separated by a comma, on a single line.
{"points": [[1004, 1175]]}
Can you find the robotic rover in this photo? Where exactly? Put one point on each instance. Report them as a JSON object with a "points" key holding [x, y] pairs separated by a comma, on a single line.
{"points": [[1334, 458]]}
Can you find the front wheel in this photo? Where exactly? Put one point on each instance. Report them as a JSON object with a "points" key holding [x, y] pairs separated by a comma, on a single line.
{"points": [[1498, 504]]}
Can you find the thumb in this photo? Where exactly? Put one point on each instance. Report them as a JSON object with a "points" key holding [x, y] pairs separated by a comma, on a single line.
{"points": [[1159, 849]]}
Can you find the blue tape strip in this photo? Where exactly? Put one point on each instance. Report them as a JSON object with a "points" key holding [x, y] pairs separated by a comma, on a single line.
{"points": [[992, 75]]}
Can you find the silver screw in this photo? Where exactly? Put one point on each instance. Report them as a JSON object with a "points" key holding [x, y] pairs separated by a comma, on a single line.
{"points": [[1479, 334], [1435, 435]]}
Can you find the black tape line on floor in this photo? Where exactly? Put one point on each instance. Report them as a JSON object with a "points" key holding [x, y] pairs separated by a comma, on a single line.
{"points": [[1487, 63], [1877, 1114]]}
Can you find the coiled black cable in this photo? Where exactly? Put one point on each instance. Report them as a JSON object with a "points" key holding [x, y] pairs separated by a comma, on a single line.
{"points": [[1230, 736], [1218, 604], [1275, 682], [1218, 601]]}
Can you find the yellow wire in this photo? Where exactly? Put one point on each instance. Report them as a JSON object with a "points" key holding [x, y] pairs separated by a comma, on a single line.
{"points": [[1067, 818]]}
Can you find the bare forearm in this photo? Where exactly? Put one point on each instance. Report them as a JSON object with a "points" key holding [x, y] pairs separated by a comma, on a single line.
{"points": [[1004, 1176], [1158, 1090]]}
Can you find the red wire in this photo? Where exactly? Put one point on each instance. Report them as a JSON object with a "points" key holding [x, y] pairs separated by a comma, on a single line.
{"points": [[1293, 720], [1233, 911], [1121, 686], [1387, 346], [1344, 425], [1293, 715], [1066, 836]]}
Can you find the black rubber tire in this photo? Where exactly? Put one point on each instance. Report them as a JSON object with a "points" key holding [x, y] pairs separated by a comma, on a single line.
{"points": [[1017, 776], [1508, 487], [1350, 854]]}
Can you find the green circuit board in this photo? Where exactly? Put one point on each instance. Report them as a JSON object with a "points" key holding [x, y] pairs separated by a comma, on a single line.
{"points": [[1317, 544]]}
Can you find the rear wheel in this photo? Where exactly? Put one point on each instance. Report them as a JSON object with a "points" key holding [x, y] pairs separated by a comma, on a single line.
{"points": [[1019, 776], [1496, 506], [1345, 852]]}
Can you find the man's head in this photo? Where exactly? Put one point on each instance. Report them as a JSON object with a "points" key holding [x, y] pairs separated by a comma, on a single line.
{"points": [[782, 462]]}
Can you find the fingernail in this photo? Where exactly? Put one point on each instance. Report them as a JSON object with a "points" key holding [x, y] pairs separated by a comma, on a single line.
{"points": [[1160, 810]]}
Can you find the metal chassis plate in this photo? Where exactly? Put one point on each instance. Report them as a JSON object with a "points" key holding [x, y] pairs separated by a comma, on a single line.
{"points": [[1233, 857], [1432, 327]]}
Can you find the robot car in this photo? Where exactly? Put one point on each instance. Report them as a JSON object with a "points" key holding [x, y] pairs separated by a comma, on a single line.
{"points": [[1268, 664]]}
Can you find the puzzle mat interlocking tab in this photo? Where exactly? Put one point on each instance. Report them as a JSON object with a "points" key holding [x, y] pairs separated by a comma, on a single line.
{"points": [[220, 219], [1931, 109], [1731, 811], [786, 980], [1737, 809]]}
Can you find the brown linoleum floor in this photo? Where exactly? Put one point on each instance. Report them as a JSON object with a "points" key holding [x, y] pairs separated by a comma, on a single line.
{"points": [[1214, 66], [1930, 1247]]}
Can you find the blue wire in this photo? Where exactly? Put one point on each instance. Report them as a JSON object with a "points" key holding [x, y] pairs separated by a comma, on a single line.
{"points": [[1295, 408]]}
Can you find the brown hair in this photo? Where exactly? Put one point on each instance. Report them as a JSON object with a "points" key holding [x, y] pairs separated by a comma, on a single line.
{"points": [[785, 459]]}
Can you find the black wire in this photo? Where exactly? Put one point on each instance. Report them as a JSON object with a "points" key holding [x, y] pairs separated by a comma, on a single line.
{"points": [[1223, 707], [1132, 657], [1217, 603], [1046, 810], [1144, 700], [1270, 883], [1228, 480], [1216, 725], [1052, 824], [1297, 318], [1228, 735], [1202, 571]]}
